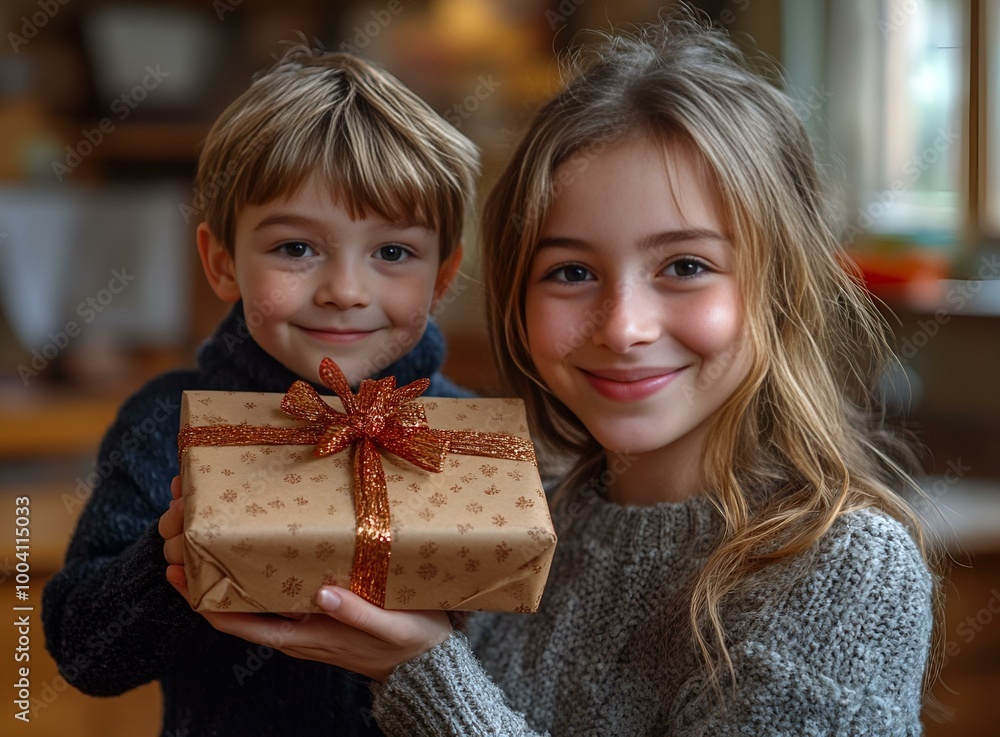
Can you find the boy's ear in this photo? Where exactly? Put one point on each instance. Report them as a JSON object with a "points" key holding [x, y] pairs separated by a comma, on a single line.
{"points": [[218, 264], [447, 272]]}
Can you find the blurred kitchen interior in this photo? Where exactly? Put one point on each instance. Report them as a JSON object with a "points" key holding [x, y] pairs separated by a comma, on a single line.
{"points": [[103, 106]]}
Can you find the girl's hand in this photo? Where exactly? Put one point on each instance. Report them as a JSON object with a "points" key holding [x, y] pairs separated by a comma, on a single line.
{"points": [[351, 633], [171, 529]]}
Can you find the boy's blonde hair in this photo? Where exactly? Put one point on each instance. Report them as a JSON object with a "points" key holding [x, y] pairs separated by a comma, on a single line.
{"points": [[801, 441], [379, 147]]}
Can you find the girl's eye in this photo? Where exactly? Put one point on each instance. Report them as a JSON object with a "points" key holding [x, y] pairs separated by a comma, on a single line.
{"points": [[569, 273], [392, 252], [296, 249], [686, 268]]}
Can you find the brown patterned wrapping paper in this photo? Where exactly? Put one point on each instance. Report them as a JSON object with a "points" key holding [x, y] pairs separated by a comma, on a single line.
{"points": [[267, 525]]}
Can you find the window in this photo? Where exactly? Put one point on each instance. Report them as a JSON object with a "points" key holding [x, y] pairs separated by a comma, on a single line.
{"points": [[910, 120]]}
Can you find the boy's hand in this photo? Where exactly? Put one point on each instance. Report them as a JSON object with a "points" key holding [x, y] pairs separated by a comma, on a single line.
{"points": [[171, 529], [351, 634]]}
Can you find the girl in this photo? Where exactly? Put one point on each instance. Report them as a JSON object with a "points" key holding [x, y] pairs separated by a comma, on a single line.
{"points": [[665, 290]]}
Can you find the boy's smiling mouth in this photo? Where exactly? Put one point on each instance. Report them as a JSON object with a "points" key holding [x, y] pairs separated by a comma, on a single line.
{"points": [[337, 335]]}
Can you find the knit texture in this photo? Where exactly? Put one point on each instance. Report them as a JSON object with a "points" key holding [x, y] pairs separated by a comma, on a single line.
{"points": [[832, 642], [111, 620]]}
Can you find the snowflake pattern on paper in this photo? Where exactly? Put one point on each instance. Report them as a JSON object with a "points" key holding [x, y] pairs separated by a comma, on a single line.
{"points": [[290, 553], [524, 502], [228, 495], [488, 471], [474, 507], [438, 499], [255, 509], [301, 501], [248, 457], [427, 571], [428, 550], [224, 603], [269, 570], [471, 565], [292, 478], [503, 551], [291, 586], [492, 491], [325, 550], [499, 520], [405, 594], [205, 469], [243, 547], [294, 527], [276, 503]]}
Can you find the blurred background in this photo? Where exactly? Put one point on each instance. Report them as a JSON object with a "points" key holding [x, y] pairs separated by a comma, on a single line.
{"points": [[104, 104]]}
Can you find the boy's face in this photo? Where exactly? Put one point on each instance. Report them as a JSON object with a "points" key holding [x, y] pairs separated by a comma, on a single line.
{"points": [[315, 283]]}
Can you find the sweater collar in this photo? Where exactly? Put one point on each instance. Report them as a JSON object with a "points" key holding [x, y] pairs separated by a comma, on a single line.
{"points": [[586, 514], [235, 361]]}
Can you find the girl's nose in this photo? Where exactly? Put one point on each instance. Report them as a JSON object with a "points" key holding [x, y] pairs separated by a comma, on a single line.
{"points": [[343, 285], [631, 317]]}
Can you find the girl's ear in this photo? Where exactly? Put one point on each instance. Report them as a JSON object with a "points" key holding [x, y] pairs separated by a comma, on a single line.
{"points": [[218, 264], [447, 272]]}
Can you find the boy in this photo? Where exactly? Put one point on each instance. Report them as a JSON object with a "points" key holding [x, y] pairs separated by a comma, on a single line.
{"points": [[333, 203]]}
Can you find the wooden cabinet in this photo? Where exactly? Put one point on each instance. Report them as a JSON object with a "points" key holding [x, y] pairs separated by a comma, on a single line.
{"points": [[970, 680], [56, 709]]}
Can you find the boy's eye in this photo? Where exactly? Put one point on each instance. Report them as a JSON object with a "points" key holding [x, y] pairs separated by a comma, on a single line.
{"points": [[686, 268], [392, 252], [295, 249], [569, 273]]}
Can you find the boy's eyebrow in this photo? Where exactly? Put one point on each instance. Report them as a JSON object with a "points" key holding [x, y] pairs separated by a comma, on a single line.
{"points": [[665, 237], [280, 218]]}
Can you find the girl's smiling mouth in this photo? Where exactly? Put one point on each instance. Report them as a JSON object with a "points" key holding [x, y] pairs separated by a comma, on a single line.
{"points": [[630, 384]]}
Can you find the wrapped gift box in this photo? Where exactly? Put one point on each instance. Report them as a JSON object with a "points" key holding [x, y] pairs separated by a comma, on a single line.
{"points": [[268, 523]]}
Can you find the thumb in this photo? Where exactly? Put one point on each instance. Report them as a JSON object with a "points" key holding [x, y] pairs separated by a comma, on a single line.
{"points": [[349, 608]]}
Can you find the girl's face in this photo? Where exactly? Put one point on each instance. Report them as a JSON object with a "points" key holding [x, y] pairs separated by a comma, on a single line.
{"points": [[632, 305]]}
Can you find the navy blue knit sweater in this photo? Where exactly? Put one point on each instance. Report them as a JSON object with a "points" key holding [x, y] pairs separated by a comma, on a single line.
{"points": [[112, 622]]}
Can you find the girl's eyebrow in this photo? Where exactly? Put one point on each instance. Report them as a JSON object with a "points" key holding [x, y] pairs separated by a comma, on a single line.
{"points": [[648, 242]]}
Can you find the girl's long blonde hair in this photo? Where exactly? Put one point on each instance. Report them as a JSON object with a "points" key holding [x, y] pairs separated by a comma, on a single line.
{"points": [[803, 440]]}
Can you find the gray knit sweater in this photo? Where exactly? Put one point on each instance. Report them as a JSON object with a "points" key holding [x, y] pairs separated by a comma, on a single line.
{"points": [[833, 642]]}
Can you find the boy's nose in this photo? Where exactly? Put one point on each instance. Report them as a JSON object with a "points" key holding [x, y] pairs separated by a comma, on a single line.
{"points": [[630, 316], [344, 287]]}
